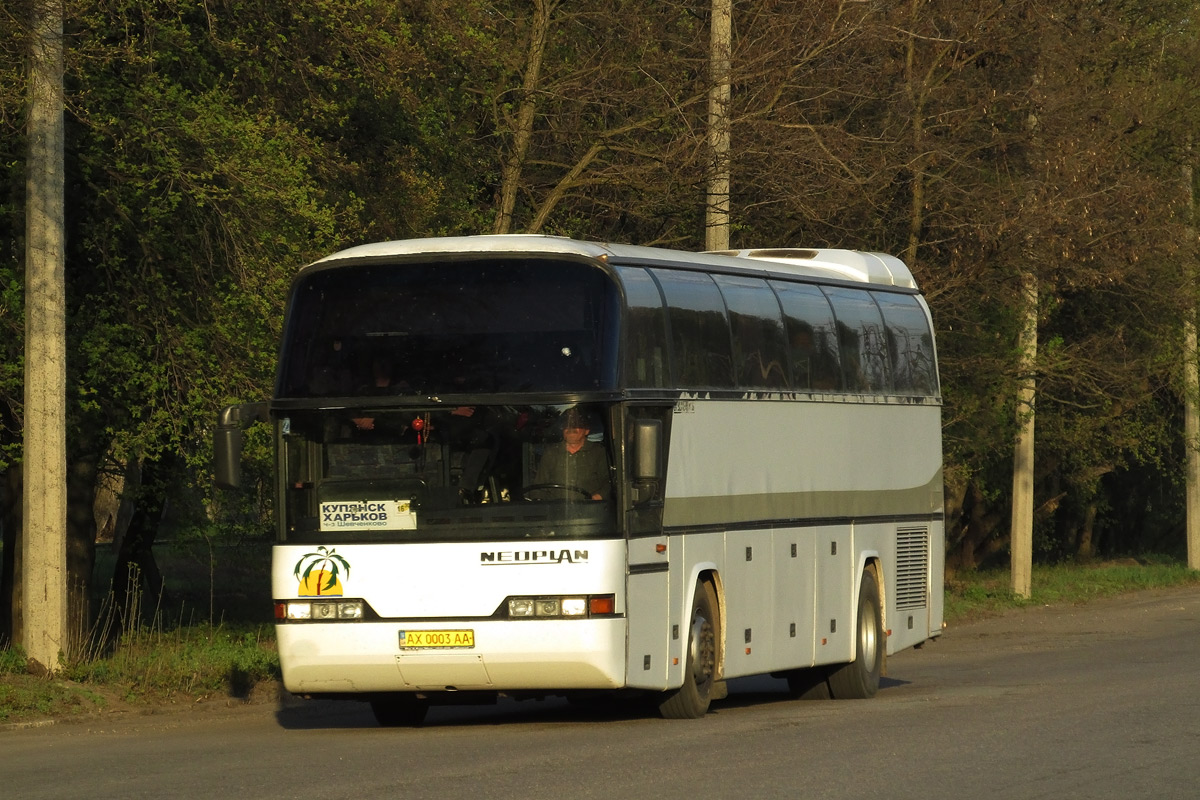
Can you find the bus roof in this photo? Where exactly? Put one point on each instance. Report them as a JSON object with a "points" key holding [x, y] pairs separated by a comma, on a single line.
{"points": [[828, 264]]}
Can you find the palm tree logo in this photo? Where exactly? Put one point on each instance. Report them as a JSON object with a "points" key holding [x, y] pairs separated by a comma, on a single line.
{"points": [[318, 573]]}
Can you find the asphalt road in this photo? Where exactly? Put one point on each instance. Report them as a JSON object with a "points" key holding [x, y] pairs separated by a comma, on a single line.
{"points": [[1099, 701]]}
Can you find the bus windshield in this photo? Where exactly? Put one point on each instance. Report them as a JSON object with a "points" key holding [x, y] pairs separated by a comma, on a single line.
{"points": [[494, 325], [481, 472]]}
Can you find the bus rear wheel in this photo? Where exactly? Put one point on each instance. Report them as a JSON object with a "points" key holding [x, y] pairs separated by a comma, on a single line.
{"points": [[691, 700], [859, 679], [399, 710]]}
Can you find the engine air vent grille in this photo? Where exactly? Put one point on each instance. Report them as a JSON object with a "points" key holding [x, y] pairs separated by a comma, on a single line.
{"points": [[912, 567]]}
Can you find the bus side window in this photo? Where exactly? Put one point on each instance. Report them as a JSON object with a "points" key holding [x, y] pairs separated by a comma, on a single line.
{"points": [[756, 325], [812, 337], [701, 352], [909, 343], [865, 363], [646, 331]]}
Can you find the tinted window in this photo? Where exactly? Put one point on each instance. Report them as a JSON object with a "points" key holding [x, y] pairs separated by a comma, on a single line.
{"points": [[759, 348], [909, 344], [861, 342], [812, 337], [485, 325], [645, 331], [700, 350]]}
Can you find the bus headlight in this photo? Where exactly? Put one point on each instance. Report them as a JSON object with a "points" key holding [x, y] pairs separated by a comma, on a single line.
{"points": [[561, 606], [520, 607], [573, 606], [319, 610]]}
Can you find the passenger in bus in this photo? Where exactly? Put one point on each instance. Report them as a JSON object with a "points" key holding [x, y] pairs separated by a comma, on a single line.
{"points": [[577, 463], [381, 378], [331, 372], [380, 383]]}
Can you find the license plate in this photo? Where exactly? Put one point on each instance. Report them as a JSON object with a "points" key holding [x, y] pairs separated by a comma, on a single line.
{"points": [[413, 640]]}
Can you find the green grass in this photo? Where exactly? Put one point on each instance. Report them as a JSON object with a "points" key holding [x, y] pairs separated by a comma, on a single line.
{"points": [[188, 661], [143, 667], [23, 697], [152, 664], [980, 594]]}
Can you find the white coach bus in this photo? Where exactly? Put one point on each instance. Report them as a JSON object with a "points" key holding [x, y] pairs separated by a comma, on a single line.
{"points": [[527, 465]]}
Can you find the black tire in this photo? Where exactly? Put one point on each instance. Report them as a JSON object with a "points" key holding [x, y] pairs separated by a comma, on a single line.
{"points": [[691, 700], [859, 679], [399, 711], [811, 683]]}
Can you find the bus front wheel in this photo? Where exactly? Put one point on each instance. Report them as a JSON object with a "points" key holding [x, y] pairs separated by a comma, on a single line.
{"points": [[691, 700], [860, 678]]}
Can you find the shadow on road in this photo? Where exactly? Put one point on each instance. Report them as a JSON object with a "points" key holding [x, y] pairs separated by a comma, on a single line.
{"points": [[295, 713]]}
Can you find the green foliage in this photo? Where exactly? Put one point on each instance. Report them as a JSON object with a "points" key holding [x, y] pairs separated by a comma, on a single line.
{"points": [[206, 210], [12, 660], [12, 220], [213, 149]]}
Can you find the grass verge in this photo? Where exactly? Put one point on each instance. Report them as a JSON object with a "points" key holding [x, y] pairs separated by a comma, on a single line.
{"points": [[982, 594], [143, 668]]}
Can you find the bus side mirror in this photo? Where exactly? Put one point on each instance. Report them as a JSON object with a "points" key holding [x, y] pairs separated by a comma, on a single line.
{"points": [[227, 441], [647, 450]]}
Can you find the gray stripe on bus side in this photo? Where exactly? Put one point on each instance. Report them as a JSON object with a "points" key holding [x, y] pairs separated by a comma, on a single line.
{"points": [[741, 508]]}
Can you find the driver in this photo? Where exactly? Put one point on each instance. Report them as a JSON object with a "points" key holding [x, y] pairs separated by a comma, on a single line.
{"points": [[576, 463]]}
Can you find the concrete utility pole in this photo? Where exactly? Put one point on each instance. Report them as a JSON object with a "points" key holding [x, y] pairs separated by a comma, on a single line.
{"points": [[1191, 383], [43, 630], [716, 217], [1023, 451], [1191, 437], [1021, 533]]}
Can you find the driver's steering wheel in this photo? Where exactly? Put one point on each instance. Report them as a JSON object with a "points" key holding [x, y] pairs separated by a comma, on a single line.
{"points": [[567, 487]]}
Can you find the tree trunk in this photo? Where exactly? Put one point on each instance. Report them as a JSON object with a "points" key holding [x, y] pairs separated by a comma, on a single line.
{"points": [[81, 550], [978, 541], [514, 165], [136, 576], [10, 526], [1085, 549]]}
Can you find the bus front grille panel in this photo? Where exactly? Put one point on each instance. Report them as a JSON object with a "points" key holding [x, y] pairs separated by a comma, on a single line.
{"points": [[912, 567]]}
